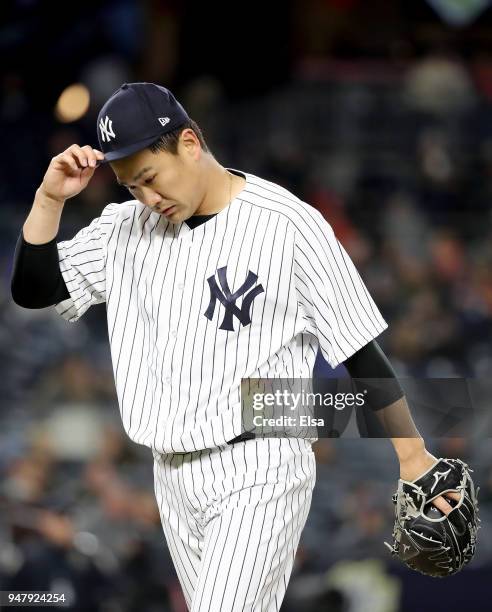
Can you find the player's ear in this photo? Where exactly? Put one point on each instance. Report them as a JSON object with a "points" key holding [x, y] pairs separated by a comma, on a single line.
{"points": [[189, 143]]}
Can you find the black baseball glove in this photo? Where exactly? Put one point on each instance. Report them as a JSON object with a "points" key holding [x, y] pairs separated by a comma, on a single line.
{"points": [[424, 538]]}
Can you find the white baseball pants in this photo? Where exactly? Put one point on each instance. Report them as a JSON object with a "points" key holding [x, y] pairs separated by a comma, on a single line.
{"points": [[232, 517]]}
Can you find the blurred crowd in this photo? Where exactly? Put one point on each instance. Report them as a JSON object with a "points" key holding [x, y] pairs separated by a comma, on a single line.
{"points": [[398, 157]]}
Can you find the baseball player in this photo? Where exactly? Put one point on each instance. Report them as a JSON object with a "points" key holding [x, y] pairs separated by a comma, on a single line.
{"points": [[210, 275]]}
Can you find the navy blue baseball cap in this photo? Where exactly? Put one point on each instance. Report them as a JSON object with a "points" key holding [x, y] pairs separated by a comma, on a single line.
{"points": [[134, 117]]}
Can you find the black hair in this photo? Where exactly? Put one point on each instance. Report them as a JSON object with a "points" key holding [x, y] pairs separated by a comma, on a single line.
{"points": [[169, 142]]}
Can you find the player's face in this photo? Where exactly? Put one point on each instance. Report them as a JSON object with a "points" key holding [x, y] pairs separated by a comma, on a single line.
{"points": [[172, 185]]}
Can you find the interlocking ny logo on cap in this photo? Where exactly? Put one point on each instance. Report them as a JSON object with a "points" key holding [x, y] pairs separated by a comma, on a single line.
{"points": [[106, 127]]}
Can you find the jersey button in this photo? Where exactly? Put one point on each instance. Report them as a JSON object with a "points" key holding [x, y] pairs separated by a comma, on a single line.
{"points": [[167, 381], [174, 333], [181, 287]]}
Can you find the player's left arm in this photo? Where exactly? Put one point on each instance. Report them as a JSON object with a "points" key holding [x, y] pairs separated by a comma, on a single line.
{"points": [[386, 397], [339, 310]]}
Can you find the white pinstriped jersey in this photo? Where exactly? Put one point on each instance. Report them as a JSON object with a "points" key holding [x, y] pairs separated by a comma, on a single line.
{"points": [[250, 293]]}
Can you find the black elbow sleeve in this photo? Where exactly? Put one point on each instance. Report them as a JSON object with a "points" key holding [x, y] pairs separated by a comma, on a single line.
{"points": [[372, 370], [37, 281]]}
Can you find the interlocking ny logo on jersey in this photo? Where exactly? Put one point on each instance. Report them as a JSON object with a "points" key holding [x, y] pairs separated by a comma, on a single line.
{"points": [[106, 127], [228, 299]]}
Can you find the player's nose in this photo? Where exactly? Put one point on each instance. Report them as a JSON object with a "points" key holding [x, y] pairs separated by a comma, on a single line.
{"points": [[151, 198]]}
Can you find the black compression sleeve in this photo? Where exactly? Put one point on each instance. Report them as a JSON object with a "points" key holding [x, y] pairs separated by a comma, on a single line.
{"points": [[37, 281], [370, 362]]}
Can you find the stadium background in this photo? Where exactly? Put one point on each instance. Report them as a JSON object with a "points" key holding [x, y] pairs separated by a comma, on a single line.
{"points": [[378, 114]]}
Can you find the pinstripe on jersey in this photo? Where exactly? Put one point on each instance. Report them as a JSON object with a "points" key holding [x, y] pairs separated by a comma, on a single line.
{"points": [[177, 373]]}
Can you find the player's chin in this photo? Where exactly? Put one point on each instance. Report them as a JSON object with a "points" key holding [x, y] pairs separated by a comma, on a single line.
{"points": [[175, 215]]}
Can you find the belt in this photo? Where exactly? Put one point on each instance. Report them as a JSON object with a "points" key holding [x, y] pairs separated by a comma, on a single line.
{"points": [[246, 435]]}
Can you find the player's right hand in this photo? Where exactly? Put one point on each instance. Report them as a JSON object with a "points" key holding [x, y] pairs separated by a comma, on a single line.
{"points": [[70, 172]]}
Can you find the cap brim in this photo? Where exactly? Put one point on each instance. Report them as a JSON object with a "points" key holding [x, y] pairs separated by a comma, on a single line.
{"points": [[111, 156]]}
